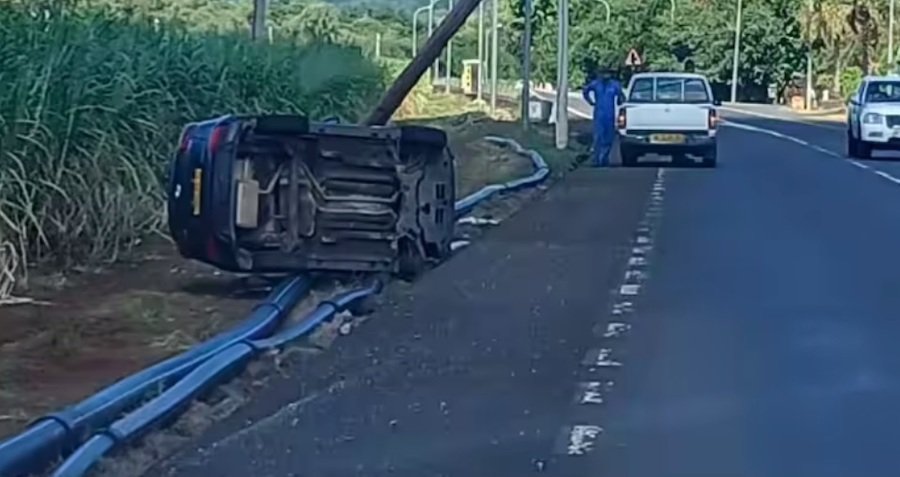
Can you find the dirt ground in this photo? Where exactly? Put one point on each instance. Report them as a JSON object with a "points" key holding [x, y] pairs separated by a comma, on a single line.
{"points": [[93, 327]]}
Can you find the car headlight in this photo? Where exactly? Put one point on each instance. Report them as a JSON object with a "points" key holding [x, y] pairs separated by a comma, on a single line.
{"points": [[873, 118]]}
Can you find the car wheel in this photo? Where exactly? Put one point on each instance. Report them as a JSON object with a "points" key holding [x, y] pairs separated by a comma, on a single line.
{"points": [[852, 145], [863, 150], [711, 158], [411, 262]]}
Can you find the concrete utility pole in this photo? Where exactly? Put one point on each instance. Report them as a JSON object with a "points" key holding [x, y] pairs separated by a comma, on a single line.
{"points": [[495, 14], [480, 85], [449, 56], [526, 66], [562, 75], [415, 31], [891, 37], [809, 68], [377, 45], [434, 65], [258, 27], [737, 53]]}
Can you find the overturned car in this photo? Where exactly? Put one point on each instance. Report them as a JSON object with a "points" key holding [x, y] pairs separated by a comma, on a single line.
{"points": [[279, 193]]}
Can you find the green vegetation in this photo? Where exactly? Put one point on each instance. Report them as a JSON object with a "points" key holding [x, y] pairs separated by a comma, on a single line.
{"points": [[845, 36], [93, 101]]}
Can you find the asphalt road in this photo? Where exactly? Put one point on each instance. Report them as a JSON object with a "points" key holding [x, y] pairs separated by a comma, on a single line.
{"points": [[736, 322]]}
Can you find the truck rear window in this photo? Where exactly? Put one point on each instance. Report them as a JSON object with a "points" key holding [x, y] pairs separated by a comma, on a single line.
{"points": [[668, 90]]}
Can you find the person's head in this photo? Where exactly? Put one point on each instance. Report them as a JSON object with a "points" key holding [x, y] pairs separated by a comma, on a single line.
{"points": [[604, 73]]}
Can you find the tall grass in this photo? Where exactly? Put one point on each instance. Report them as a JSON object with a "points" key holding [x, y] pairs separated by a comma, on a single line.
{"points": [[91, 105]]}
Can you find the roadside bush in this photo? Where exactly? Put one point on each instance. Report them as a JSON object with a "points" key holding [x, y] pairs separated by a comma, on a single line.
{"points": [[92, 105], [850, 80]]}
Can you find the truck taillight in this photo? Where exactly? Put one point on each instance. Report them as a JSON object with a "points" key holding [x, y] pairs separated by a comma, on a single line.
{"points": [[622, 119], [713, 119]]}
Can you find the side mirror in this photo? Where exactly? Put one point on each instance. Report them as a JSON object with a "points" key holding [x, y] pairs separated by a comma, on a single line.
{"points": [[717, 102]]}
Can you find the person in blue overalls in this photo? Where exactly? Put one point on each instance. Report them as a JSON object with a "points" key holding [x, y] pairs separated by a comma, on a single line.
{"points": [[603, 92]]}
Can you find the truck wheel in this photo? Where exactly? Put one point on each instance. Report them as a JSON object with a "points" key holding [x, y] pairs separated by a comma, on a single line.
{"points": [[864, 150], [852, 145], [629, 156], [710, 157]]}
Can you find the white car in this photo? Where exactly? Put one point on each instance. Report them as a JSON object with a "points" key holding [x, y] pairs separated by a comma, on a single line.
{"points": [[873, 116], [669, 114]]}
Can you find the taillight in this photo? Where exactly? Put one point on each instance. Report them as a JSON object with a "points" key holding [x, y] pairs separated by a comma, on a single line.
{"points": [[622, 119], [713, 119], [215, 139]]}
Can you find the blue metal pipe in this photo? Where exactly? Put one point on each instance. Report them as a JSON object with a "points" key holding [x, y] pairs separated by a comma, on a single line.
{"points": [[56, 434], [465, 205], [323, 312], [217, 369]]}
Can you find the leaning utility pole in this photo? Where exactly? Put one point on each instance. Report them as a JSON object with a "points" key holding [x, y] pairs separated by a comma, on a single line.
{"points": [[258, 27], [416, 68]]}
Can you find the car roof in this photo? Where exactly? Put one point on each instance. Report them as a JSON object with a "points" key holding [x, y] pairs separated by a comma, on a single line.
{"points": [[668, 74], [892, 76]]}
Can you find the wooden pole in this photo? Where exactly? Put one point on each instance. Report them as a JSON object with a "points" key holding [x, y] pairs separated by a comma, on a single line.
{"points": [[416, 68]]}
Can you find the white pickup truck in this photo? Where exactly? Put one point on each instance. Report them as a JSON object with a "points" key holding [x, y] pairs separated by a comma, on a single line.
{"points": [[873, 117], [669, 114]]}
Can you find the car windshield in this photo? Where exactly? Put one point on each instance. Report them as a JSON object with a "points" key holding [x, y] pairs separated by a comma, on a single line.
{"points": [[669, 89], [883, 92]]}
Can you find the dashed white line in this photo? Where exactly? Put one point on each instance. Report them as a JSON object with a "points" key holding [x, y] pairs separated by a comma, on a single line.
{"points": [[581, 438], [629, 289], [615, 329]]}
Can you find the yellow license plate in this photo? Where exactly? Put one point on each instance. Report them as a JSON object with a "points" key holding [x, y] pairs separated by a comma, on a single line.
{"points": [[667, 138]]}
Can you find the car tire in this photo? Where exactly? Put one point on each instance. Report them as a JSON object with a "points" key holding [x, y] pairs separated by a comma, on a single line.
{"points": [[852, 145], [863, 150], [710, 157], [856, 148], [410, 260]]}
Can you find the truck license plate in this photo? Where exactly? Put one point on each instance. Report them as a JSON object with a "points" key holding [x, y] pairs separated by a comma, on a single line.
{"points": [[667, 138]]}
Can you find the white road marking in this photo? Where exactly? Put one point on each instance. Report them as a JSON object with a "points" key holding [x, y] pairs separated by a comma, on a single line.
{"points": [[880, 173], [591, 392], [781, 118], [886, 176], [637, 261], [581, 438], [615, 329], [629, 289]]}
